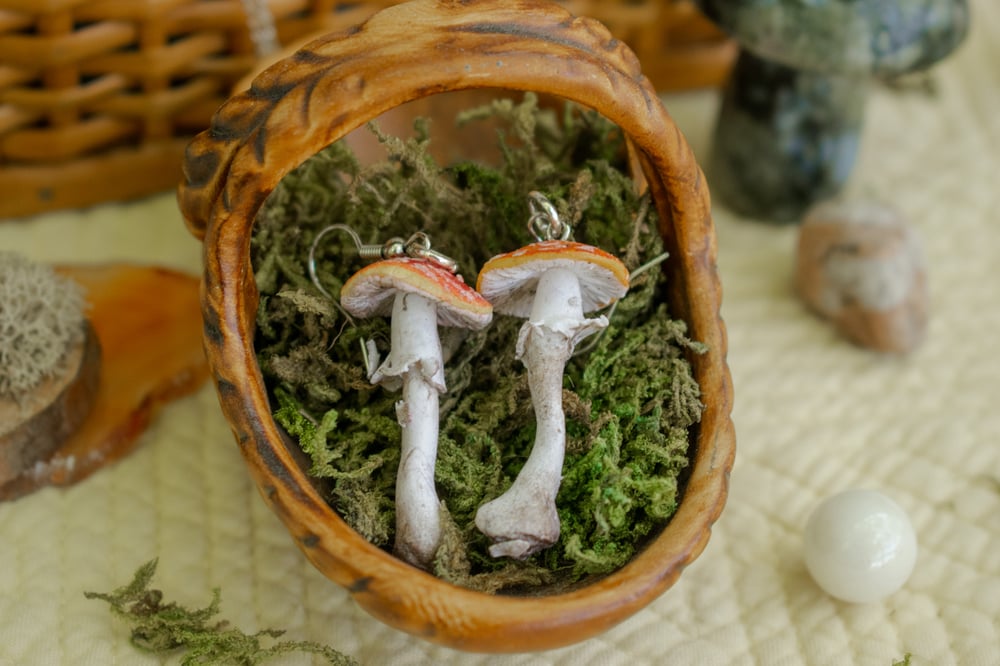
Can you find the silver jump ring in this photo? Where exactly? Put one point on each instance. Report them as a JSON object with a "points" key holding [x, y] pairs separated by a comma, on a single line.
{"points": [[544, 223]]}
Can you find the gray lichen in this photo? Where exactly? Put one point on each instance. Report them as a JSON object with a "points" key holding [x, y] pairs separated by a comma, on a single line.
{"points": [[41, 316]]}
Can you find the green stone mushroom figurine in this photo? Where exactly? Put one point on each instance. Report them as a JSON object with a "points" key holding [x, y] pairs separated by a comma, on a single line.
{"points": [[791, 115]]}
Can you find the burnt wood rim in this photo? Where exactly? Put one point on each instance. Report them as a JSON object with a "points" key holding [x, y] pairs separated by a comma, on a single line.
{"points": [[554, 53], [577, 41]]}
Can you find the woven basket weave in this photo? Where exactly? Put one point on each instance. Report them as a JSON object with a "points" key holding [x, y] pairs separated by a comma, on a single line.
{"points": [[98, 98]]}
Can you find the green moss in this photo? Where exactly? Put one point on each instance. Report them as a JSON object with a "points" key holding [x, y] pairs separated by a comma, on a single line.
{"points": [[630, 400], [161, 627]]}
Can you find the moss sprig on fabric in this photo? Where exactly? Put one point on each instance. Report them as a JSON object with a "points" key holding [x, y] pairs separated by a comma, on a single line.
{"points": [[630, 400], [160, 627]]}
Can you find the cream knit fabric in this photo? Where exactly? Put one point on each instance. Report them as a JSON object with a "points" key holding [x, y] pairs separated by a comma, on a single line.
{"points": [[813, 414]]}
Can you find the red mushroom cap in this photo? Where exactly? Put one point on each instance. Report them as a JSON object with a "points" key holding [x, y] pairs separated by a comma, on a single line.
{"points": [[370, 292], [508, 280]]}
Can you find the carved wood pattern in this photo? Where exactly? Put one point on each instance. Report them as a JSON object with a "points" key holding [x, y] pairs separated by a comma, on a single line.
{"points": [[337, 83]]}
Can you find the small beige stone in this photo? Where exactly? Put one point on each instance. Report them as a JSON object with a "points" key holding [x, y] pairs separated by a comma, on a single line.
{"points": [[860, 265]]}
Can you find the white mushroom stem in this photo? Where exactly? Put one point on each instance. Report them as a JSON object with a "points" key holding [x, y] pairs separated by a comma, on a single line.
{"points": [[415, 359], [524, 520]]}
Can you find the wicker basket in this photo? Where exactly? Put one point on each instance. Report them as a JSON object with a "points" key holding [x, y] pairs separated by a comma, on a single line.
{"points": [[98, 98]]}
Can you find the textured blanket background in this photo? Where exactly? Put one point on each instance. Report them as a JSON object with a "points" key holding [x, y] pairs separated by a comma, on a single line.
{"points": [[813, 414]]}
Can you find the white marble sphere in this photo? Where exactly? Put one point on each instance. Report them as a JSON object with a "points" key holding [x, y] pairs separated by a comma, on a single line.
{"points": [[860, 546]]}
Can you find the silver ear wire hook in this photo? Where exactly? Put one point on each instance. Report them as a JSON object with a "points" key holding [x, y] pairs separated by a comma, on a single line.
{"points": [[311, 265], [544, 223], [417, 246]]}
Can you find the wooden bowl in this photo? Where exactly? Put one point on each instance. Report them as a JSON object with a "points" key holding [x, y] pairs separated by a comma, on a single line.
{"points": [[335, 85]]}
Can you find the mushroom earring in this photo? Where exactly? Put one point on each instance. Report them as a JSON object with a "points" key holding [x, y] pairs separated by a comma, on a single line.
{"points": [[420, 290], [553, 283]]}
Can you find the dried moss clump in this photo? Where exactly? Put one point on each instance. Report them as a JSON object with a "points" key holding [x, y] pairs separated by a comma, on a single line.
{"points": [[630, 399], [161, 627], [41, 316]]}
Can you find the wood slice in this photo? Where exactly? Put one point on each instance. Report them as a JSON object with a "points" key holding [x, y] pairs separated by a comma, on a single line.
{"points": [[33, 426], [148, 324]]}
